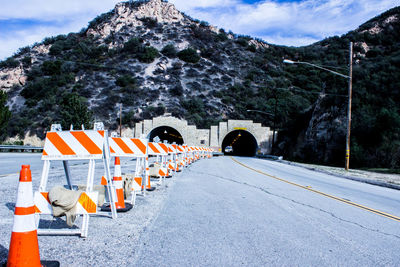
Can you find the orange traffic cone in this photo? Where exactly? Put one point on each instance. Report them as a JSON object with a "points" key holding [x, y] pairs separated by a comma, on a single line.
{"points": [[24, 246], [117, 180], [120, 204], [148, 185]]}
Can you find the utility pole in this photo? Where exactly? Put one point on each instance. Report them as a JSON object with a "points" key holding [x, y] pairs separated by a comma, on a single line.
{"points": [[120, 120], [273, 132], [349, 107]]}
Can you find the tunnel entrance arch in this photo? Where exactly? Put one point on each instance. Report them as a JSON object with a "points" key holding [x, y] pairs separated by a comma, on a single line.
{"points": [[166, 133], [243, 143]]}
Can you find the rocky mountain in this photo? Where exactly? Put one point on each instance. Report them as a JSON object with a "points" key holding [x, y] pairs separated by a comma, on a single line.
{"points": [[154, 59]]}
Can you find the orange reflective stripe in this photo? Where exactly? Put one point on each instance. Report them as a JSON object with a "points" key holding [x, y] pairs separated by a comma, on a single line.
{"points": [[117, 178], [46, 196], [24, 210], [112, 150], [87, 143], [87, 203], [59, 143], [122, 145], [140, 145], [37, 210], [163, 146], [101, 133], [153, 147], [138, 180], [45, 153]]}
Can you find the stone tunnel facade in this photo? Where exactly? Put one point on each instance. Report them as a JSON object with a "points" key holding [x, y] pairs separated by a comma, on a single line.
{"points": [[212, 137]]}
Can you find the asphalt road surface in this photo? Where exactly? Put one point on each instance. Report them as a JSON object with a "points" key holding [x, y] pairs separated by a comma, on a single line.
{"points": [[222, 213], [226, 212]]}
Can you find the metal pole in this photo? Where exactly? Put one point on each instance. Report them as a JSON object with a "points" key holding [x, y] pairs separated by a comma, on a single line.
{"points": [[273, 132], [120, 120], [349, 108]]}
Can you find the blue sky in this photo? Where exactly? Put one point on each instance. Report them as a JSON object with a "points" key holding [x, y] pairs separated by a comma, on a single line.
{"points": [[285, 22]]}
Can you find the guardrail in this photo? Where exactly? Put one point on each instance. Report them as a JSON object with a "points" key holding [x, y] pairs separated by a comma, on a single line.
{"points": [[15, 148]]}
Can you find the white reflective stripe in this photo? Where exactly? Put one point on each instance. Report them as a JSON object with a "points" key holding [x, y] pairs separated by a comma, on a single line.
{"points": [[73, 143], [136, 186], [24, 223], [132, 146], [25, 195], [115, 147], [117, 184], [117, 171], [96, 137], [50, 149]]}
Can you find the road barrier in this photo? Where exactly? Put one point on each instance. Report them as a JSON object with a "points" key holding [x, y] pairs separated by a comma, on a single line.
{"points": [[68, 146], [161, 152], [133, 148], [96, 145]]}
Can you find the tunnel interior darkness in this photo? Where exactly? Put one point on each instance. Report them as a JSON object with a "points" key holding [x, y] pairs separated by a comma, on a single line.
{"points": [[243, 143], [166, 133]]}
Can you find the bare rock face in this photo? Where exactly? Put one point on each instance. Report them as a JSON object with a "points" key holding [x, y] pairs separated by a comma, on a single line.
{"points": [[10, 77], [160, 11], [126, 15]]}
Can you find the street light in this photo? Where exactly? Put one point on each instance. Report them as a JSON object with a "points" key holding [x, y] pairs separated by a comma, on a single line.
{"points": [[350, 78], [273, 131]]}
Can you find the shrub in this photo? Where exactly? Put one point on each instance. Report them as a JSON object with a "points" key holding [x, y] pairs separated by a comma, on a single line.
{"points": [[134, 45], [9, 63], [150, 22], [125, 80], [148, 55], [169, 51], [27, 61], [74, 110], [51, 67], [177, 90], [56, 48], [5, 115], [189, 55]]}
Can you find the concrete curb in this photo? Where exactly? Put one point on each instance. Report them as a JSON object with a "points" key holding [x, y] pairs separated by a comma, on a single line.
{"points": [[357, 179]]}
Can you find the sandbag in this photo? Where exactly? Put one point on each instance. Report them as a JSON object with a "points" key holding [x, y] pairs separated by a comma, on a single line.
{"points": [[63, 202]]}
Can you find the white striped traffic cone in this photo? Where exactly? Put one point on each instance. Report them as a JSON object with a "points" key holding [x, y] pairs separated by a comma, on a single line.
{"points": [[24, 246], [117, 180], [148, 185]]}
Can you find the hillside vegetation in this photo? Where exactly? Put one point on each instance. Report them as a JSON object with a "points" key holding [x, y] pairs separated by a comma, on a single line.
{"points": [[154, 64]]}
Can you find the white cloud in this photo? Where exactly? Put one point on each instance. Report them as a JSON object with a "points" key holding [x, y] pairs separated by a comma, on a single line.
{"points": [[54, 9], [56, 17], [294, 22], [288, 23]]}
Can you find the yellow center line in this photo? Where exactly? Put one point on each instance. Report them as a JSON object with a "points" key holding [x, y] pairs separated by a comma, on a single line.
{"points": [[381, 213]]}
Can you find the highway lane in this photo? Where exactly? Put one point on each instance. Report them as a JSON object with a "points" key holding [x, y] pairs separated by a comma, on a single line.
{"points": [[221, 213]]}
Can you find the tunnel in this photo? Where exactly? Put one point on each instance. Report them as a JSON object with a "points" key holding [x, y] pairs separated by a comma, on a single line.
{"points": [[242, 142], [166, 133]]}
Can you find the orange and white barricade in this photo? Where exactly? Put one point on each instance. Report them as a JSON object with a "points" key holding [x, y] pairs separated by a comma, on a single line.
{"points": [[176, 157], [161, 151], [190, 154], [68, 146], [172, 154], [136, 148], [181, 154], [209, 152]]}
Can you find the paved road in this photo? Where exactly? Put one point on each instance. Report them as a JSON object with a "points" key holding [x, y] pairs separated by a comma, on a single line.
{"points": [[221, 213]]}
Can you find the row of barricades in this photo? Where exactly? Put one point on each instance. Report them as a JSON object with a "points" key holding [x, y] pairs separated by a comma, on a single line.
{"points": [[94, 145]]}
